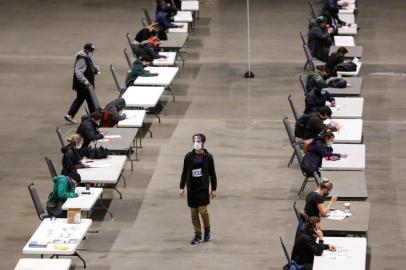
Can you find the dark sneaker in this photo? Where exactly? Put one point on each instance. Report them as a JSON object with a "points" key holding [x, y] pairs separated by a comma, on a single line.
{"points": [[197, 239], [70, 119], [207, 236]]}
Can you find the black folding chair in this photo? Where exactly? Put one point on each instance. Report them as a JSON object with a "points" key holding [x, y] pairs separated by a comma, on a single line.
{"points": [[37, 202], [309, 57], [303, 39], [297, 213], [303, 84], [51, 167], [299, 156], [93, 97], [312, 10], [291, 136], [293, 107], [147, 17], [144, 22], [120, 89], [60, 136], [285, 250], [127, 57]]}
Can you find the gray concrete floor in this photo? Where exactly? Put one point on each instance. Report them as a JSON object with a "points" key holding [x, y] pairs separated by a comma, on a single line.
{"points": [[242, 121]]}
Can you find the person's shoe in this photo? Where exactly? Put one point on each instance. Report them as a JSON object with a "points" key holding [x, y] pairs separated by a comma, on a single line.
{"points": [[207, 236], [70, 119], [197, 239]]}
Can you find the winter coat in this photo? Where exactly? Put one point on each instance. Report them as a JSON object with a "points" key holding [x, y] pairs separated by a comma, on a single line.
{"points": [[312, 160], [111, 113], [89, 131], [61, 191], [71, 160]]}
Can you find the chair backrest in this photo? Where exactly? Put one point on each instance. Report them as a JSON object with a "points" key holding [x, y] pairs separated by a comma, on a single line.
{"points": [[312, 9], [285, 250], [298, 153], [316, 178], [51, 167], [113, 73], [37, 202], [296, 211], [147, 17], [128, 36], [292, 106], [309, 57], [289, 130], [87, 111], [303, 84], [303, 39], [127, 57], [93, 97], [144, 22], [60, 136]]}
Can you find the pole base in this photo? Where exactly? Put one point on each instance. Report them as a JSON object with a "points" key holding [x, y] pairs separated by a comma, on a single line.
{"points": [[249, 74]]}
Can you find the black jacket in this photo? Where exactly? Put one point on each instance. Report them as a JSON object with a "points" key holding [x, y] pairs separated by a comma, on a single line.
{"points": [[329, 5], [111, 113], [71, 160], [333, 60], [208, 171], [312, 160], [319, 42], [143, 34], [89, 131], [306, 248], [89, 73], [315, 99]]}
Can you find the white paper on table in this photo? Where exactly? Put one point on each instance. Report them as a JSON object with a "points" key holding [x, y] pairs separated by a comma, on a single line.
{"points": [[95, 165], [112, 137], [338, 215], [103, 140]]}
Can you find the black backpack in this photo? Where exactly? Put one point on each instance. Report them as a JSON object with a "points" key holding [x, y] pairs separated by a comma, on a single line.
{"points": [[301, 124], [337, 83], [346, 66]]}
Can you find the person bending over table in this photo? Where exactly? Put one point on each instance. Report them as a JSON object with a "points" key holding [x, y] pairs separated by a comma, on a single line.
{"points": [[111, 113], [89, 128], [319, 39], [138, 69], [317, 98], [315, 125], [314, 206], [333, 20], [334, 60], [306, 245], [64, 188], [319, 148], [163, 18], [72, 156]]}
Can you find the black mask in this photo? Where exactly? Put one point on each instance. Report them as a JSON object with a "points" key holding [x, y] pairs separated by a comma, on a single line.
{"points": [[326, 194]]}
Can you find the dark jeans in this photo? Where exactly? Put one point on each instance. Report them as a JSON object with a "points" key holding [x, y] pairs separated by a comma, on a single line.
{"points": [[81, 95]]}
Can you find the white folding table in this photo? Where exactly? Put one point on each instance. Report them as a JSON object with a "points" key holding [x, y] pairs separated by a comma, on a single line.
{"points": [[183, 29], [105, 172], [347, 17], [348, 108], [354, 162], [56, 237], [348, 30], [350, 254], [344, 41], [350, 73], [43, 264], [183, 16], [134, 118], [350, 131], [168, 61]]}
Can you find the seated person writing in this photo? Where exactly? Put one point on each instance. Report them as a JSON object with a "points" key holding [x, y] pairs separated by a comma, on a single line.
{"points": [[317, 98], [72, 157], [316, 150], [64, 188], [111, 113], [319, 39], [306, 245], [164, 21], [315, 125], [314, 206], [89, 128], [138, 69], [334, 60]]}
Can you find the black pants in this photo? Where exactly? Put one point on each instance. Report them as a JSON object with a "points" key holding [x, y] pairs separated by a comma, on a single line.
{"points": [[81, 95]]}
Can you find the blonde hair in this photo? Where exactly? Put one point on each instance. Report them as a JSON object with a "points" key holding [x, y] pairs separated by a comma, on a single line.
{"points": [[326, 184], [153, 26], [74, 139]]}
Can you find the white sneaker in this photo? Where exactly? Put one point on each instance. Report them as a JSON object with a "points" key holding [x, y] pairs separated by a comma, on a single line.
{"points": [[70, 119]]}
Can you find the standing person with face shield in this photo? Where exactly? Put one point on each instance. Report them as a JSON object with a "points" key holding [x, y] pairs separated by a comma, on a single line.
{"points": [[72, 158], [314, 206], [83, 78], [197, 175]]}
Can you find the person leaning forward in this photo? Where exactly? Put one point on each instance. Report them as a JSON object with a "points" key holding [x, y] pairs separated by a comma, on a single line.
{"points": [[197, 175]]}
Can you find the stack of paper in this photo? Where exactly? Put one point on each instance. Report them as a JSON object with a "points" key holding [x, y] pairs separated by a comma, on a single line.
{"points": [[338, 215]]}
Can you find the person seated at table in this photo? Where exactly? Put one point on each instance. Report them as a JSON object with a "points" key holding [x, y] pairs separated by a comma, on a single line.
{"points": [[167, 5], [145, 33], [317, 98], [315, 125], [138, 69], [314, 206], [319, 39], [333, 4], [64, 188], [334, 60], [315, 77], [164, 21], [333, 20], [306, 245], [146, 49], [89, 128], [111, 113], [72, 155], [316, 150]]}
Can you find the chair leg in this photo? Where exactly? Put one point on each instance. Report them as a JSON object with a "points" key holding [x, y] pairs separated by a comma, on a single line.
{"points": [[291, 159], [303, 185], [307, 62]]}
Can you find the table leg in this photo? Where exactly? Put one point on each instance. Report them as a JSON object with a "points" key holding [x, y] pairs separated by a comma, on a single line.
{"points": [[121, 195], [77, 255], [105, 208], [170, 90]]}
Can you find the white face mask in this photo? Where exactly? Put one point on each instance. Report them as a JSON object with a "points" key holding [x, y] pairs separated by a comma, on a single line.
{"points": [[330, 144], [91, 54], [78, 146], [197, 146]]}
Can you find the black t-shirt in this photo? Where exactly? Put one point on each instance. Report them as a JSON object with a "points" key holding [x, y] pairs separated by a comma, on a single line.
{"points": [[312, 200]]}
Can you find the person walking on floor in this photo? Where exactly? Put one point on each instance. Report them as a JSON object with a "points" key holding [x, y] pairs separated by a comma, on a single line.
{"points": [[197, 175], [83, 78]]}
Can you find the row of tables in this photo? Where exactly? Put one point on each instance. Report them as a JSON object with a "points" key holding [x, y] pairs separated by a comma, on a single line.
{"points": [[349, 235], [56, 237]]}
